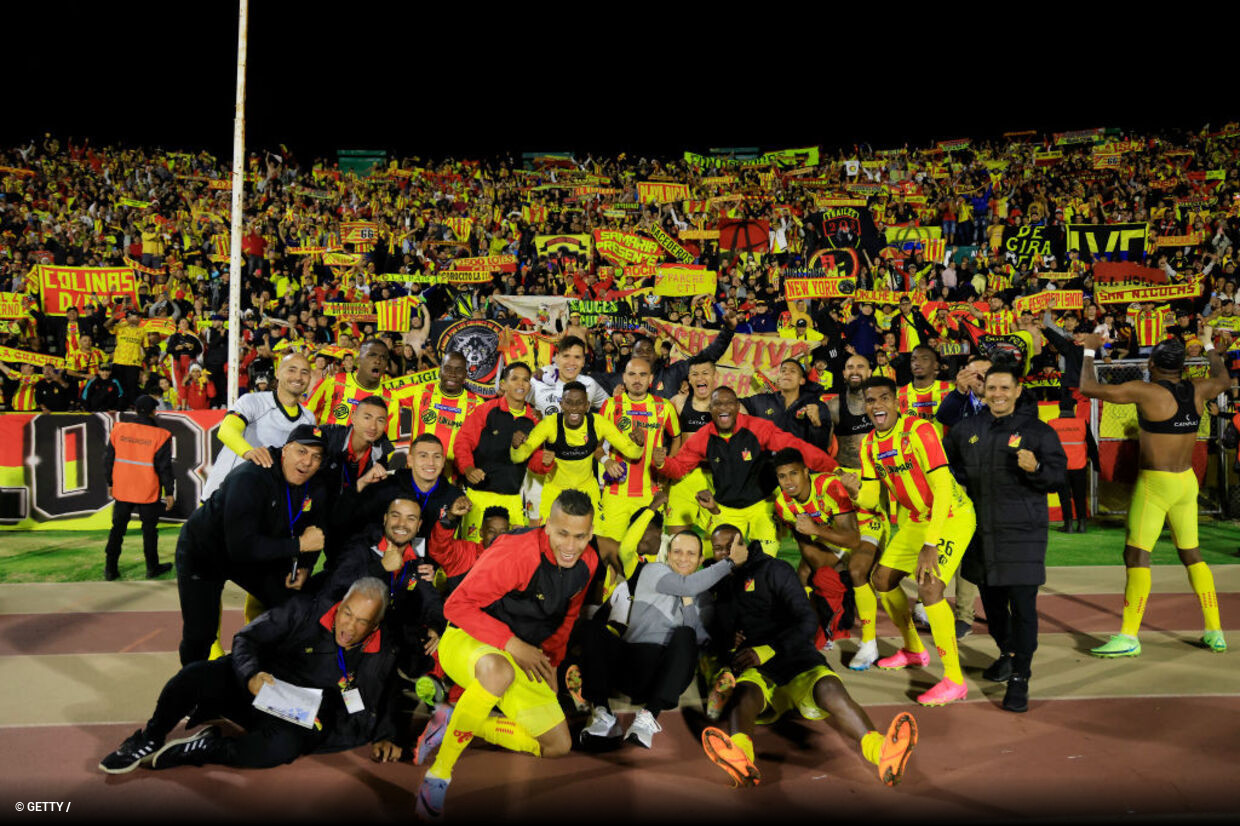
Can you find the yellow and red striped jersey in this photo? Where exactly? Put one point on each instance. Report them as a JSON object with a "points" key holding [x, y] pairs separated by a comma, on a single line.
{"points": [[1150, 325], [436, 412], [657, 416], [923, 404], [1000, 322], [827, 497], [902, 458], [23, 394], [335, 397]]}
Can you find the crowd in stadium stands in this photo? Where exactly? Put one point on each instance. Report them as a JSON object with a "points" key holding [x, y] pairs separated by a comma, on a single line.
{"points": [[937, 263]]}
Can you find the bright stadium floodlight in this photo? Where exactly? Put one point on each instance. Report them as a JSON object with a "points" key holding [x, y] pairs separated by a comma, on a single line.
{"points": [[238, 181]]}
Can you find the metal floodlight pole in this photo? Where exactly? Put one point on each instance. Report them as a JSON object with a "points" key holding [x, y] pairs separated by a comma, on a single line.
{"points": [[238, 182]]}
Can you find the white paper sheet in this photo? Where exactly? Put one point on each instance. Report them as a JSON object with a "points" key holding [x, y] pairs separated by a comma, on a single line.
{"points": [[290, 702]]}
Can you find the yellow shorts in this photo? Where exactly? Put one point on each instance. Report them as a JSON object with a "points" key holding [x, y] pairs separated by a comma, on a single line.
{"points": [[617, 511], [550, 491], [682, 506], [1162, 496], [903, 549], [532, 704], [483, 500], [756, 521], [797, 693], [873, 526]]}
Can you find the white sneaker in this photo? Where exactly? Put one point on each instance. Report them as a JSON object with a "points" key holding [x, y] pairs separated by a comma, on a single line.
{"points": [[643, 729], [602, 725], [866, 656], [919, 616]]}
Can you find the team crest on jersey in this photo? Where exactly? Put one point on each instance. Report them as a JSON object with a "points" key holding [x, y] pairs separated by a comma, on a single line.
{"points": [[305, 506], [625, 423], [551, 410], [746, 455], [340, 411], [973, 439], [749, 585], [1014, 440], [429, 417]]}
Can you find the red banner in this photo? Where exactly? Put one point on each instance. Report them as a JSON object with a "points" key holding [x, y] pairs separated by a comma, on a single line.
{"points": [[65, 287]]}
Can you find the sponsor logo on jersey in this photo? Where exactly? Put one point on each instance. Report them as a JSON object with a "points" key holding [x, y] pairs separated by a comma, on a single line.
{"points": [[887, 454]]}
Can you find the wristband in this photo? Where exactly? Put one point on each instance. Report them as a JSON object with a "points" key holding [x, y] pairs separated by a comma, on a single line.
{"points": [[1089, 353], [1208, 347]]}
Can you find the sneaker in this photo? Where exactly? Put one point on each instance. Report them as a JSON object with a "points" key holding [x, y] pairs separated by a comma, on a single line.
{"points": [[430, 799], [432, 735], [728, 756], [1212, 640], [643, 729], [1000, 671], [919, 616], [904, 658], [1017, 696], [720, 693], [187, 751], [944, 692], [897, 748], [137, 750], [111, 573], [572, 683], [429, 689], [866, 656], [159, 570], [1120, 645], [602, 725], [963, 629]]}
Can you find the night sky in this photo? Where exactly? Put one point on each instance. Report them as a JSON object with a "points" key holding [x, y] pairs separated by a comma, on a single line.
{"points": [[444, 81]]}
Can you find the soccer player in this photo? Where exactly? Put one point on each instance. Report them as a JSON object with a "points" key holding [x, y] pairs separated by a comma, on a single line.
{"points": [[779, 670], [1169, 414], [848, 412], [936, 523], [629, 487], [734, 446], [509, 621], [922, 398], [571, 438], [667, 380], [693, 412], [548, 388], [440, 409], [332, 402]]}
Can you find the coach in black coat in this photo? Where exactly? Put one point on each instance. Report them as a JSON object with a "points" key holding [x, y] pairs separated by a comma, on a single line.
{"points": [[1008, 460]]}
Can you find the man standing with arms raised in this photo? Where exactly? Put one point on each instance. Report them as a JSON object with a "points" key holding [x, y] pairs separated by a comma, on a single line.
{"points": [[1168, 413]]}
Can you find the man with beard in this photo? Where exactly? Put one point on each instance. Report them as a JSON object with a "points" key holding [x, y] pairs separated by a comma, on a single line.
{"points": [[440, 409], [332, 402], [693, 411], [665, 381]]}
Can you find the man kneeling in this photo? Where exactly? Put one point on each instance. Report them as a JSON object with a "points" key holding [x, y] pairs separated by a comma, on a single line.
{"points": [[764, 606], [306, 642]]}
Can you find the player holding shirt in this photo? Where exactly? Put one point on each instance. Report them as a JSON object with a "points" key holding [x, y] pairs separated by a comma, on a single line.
{"points": [[693, 411], [632, 487], [906, 456], [440, 409], [332, 402], [570, 438]]}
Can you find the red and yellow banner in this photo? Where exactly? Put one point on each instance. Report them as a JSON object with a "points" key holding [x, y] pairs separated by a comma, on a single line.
{"points": [[652, 192], [622, 248], [359, 232], [685, 279], [1125, 295], [1190, 240], [15, 356], [752, 358], [669, 244], [65, 287], [13, 305], [486, 263], [796, 289]]}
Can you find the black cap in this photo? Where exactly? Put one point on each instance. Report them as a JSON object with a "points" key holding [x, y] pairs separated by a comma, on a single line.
{"points": [[107, 365], [307, 434], [144, 405]]}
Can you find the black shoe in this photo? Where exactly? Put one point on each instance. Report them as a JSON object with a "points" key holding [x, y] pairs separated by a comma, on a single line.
{"points": [[1067, 527], [159, 570], [1017, 696], [194, 750], [110, 573], [1080, 526], [963, 629], [1000, 671], [138, 750]]}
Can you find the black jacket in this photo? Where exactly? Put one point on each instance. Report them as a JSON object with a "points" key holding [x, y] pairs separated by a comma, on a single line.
{"points": [[292, 644], [765, 600], [666, 381], [1009, 546], [793, 418]]}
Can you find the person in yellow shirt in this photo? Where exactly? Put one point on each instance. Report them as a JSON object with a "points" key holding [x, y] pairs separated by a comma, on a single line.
{"points": [[127, 358]]}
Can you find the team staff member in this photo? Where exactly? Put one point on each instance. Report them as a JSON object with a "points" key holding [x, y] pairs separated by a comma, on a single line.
{"points": [[797, 407], [734, 447], [510, 619], [351, 451], [1169, 414], [261, 529], [441, 409], [779, 670], [936, 523], [570, 439], [1081, 449], [335, 397], [262, 418], [483, 445], [693, 411], [137, 462], [1008, 460], [314, 643]]}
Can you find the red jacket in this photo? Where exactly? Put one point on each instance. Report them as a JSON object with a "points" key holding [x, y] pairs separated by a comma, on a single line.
{"points": [[455, 556], [517, 589]]}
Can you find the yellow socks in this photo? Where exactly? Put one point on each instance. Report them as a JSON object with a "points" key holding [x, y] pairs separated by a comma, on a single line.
{"points": [[745, 743], [897, 608], [508, 734], [943, 629], [1136, 594], [467, 718], [1203, 584], [867, 610], [872, 746]]}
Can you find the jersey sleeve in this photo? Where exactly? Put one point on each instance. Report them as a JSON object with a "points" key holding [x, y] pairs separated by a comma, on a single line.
{"points": [[671, 422], [617, 438], [928, 447], [509, 567], [831, 490], [538, 436], [318, 398], [598, 396]]}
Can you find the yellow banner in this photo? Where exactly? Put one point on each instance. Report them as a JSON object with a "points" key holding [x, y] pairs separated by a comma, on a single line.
{"points": [[486, 263], [13, 305], [14, 356], [899, 235], [668, 243], [1125, 295], [623, 248], [652, 192], [343, 259], [679, 279], [718, 180], [445, 277], [1035, 303], [699, 234], [343, 308], [804, 288], [411, 380], [888, 296]]}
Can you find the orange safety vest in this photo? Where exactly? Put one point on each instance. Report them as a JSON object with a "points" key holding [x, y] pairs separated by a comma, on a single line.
{"points": [[1072, 436], [133, 476]]}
